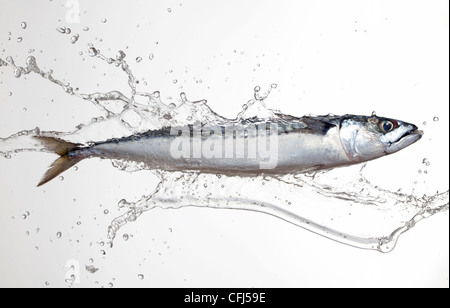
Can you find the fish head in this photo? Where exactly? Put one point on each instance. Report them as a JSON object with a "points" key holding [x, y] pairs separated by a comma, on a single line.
{"points": [[365, 138]]}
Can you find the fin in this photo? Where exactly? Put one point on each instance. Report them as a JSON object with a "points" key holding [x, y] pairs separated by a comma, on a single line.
{"points": [[62, 148]]}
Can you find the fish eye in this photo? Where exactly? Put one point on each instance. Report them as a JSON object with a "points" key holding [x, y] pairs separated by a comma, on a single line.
{"points": [[386, 126]]}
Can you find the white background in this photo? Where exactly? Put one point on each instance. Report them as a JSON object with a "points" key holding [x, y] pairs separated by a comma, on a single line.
{"points": [[326, 57]]}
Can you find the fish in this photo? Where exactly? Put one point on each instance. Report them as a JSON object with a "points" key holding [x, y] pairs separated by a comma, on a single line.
{"points": [[276, 146]]}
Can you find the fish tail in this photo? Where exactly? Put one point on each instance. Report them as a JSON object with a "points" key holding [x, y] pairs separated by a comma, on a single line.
{"points": [[66, 161]]}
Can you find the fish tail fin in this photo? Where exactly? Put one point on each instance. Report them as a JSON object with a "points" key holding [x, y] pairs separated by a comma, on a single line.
{"points": [[62, 148]]}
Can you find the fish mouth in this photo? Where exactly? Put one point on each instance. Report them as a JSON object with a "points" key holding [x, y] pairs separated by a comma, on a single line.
{"points": [[409, 137], [413, 132]]}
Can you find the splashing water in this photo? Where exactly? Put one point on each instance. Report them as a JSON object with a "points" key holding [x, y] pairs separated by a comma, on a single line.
{"points": [[340, 204]]}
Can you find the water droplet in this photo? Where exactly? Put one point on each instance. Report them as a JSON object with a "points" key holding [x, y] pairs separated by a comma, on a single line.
{"points": [[257, 89], [31, 61], [435, 119], [138, 59], [58, 235], [273, 85], [17, 73], [151, 56], [183, 97], [25, 109], [106, 212], [19, 39], [93, 52], [90, 268], [122, 203], [120, 55], [47, 283], [169, 10], [74, 39], [374, 113], [61, 30], [78, 223], [104, 20], [68, 31], [9, 93], [426, 162], [70, 280], [205, 185], [125, 237], [110, 285], [175, 81], [141, 277], [23, 25], [86, 29], [61, 178], [170, 230]]}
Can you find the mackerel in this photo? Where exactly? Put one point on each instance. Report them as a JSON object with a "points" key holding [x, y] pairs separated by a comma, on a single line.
{"points": [[284, 144]]}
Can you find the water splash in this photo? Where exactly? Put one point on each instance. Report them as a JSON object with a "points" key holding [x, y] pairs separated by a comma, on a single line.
{"points": [[340, 204], [352, 212]]}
